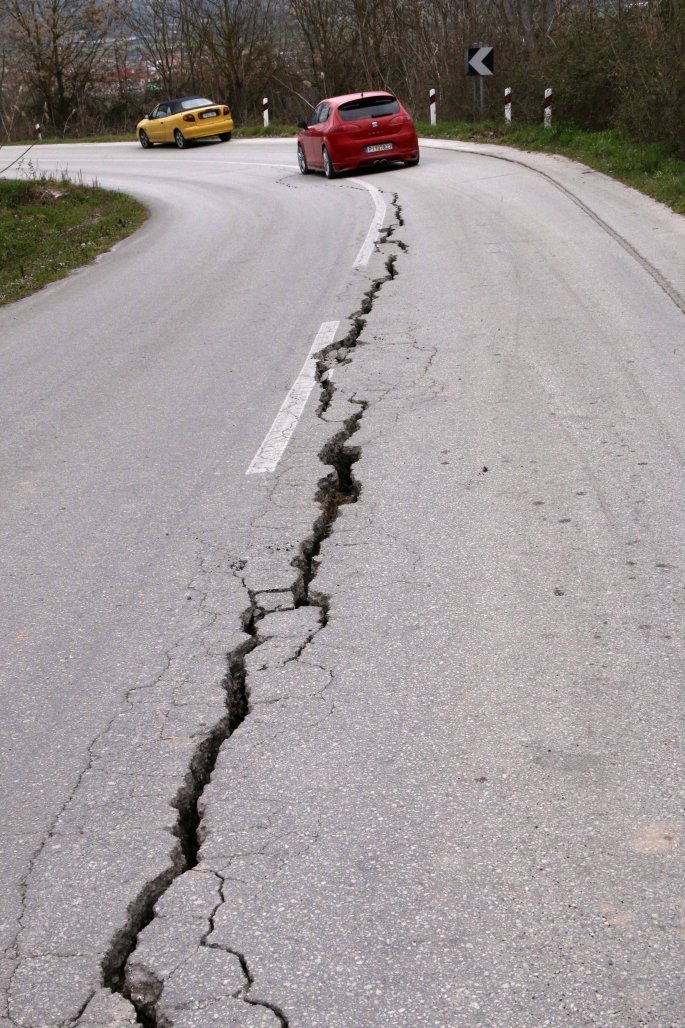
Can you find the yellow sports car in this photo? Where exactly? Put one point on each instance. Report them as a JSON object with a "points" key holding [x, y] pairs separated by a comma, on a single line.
{"points": [[183, 120]]}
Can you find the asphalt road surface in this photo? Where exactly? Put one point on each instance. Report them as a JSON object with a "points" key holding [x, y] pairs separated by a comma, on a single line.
{"points": [[439, 696]]}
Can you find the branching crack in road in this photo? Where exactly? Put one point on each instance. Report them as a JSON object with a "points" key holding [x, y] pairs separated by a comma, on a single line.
{"points": [[337, 488], [244, 992], [141, 911]]}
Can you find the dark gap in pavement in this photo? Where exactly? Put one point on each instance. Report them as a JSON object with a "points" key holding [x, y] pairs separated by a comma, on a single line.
{"points": [[141, 911], [336, 489]]}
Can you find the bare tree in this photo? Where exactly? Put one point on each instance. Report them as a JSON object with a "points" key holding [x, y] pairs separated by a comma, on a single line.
{"points": [[330, 39], [60, 43], [239, 36], [171, 34], [611, 62]]}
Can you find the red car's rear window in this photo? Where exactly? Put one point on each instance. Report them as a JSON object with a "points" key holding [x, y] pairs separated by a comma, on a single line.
{"points": [[369, 107]]}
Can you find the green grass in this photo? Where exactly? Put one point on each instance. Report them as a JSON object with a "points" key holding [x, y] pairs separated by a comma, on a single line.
{"points": [[49, 227], [258, 131], [54, 140], [648, 167]]}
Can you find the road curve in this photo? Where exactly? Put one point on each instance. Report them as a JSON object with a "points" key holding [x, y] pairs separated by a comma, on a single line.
{"points": [[454, 800], [134, 395]]}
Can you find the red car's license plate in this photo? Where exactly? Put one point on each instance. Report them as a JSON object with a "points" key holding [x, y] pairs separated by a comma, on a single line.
{"points": [[378, 146]]}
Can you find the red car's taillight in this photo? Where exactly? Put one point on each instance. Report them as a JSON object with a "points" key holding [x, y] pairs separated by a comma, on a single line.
{"points": [[189, 117], [225, 111], [399, 119]]}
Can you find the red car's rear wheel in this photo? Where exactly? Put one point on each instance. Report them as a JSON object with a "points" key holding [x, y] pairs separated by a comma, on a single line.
{"points": [[328, 169], [302, 161]]}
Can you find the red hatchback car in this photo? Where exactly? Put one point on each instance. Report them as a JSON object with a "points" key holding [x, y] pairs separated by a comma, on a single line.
{"points": [[356, 131]]}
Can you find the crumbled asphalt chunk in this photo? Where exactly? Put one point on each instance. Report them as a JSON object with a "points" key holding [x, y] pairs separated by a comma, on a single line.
{"points": [[278, 599], [108, 1010]]}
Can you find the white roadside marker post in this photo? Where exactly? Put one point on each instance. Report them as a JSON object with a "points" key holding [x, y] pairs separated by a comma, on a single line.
{"points": [[548, 108], [265, 111], [507, 105], [432, 106]]}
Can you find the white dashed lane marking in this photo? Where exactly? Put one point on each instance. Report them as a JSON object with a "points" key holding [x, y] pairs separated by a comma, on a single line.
{"points": [[277, 438]]}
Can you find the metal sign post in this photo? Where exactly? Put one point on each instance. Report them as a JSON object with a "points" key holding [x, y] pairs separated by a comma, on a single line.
{"points": [[480, 62]]}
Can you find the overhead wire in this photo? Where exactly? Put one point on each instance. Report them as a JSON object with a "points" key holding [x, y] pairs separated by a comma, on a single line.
{"points": [[11, 165]]}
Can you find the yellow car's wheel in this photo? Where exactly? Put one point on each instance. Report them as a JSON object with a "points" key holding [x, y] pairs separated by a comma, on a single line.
{"points": [[144, 140], [180, 139], [224, 136]]}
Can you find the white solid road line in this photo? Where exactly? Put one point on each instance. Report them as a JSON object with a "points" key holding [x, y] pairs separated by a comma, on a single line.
{"points": [[369, 243], [285, 422]]}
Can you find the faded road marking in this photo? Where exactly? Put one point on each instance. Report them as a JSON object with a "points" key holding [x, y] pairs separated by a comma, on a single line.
{"points": [[654, 839], [615, 916], [285, 422]]}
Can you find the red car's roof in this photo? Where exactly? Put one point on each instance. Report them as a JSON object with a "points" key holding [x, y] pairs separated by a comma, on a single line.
{"points": [[338, 100]]}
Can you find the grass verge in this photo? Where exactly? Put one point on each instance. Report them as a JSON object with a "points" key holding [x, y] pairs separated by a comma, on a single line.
{"points": [[649, 167], [259, 132], [48, 227]]}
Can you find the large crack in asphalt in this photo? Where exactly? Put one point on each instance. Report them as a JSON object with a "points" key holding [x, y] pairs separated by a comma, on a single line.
{"points": [[335, 489], [141, 910]]}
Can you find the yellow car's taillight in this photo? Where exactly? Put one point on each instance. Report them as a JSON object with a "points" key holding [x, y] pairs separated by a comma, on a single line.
{"points": [[189, 117], [225, 111]]}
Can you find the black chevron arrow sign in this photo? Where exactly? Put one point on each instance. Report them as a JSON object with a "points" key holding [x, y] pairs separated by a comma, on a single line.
{"points": [[480, 60]]}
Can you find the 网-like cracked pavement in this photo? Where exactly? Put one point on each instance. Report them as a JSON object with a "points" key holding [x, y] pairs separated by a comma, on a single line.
{"points": [[409, 751]]}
